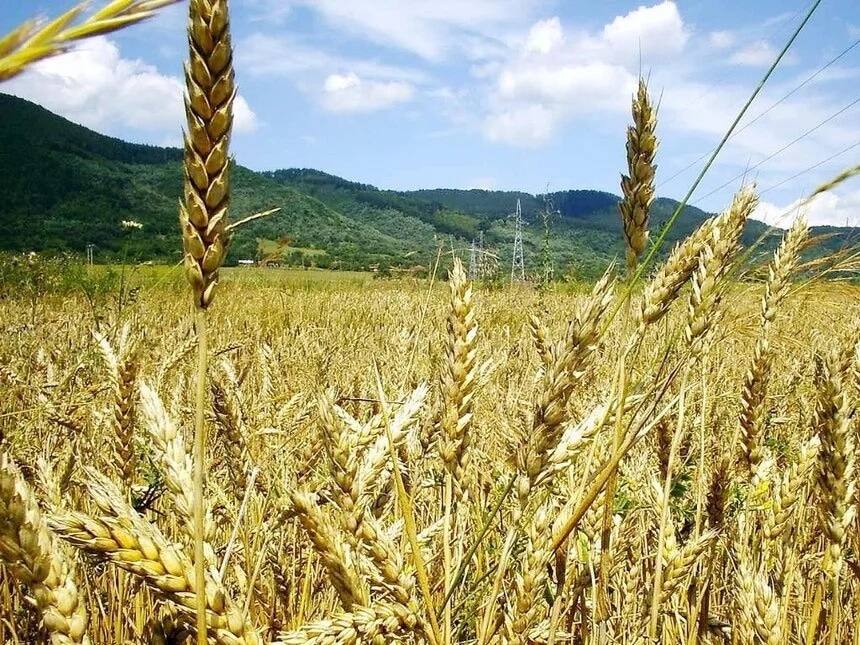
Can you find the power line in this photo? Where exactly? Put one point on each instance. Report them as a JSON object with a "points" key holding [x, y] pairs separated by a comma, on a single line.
{"points": [[775, 28], [780, 151], [793, 91], [810, 168]]}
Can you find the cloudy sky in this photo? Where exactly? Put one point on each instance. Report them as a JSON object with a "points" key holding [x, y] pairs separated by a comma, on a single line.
{"points": [[508, 94]]}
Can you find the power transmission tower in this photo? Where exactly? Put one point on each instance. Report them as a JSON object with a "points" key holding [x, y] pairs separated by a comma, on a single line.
{"points": [[473, 261], [90, 249], [482, 263], [547, 269], [518, 270]]}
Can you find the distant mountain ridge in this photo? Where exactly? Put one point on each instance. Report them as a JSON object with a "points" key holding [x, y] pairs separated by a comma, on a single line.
{"points": [[65, 186]]}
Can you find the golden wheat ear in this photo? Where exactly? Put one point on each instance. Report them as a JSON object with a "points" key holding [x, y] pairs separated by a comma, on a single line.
{"points": [[34, 40], [637, 186], [210, 90], [30, 554]]}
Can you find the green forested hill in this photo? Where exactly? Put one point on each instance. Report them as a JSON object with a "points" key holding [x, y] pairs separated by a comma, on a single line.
{"points": [[64, 186]]}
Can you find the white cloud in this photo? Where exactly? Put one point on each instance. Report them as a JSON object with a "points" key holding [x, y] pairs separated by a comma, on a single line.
{"points": [[831, 208], [244, 118], [553, 76], [268, 11], [430, 29], [349, 93], [95, 86], [577, 87], [527, 126], [691, 108], [544, 36], [658, 30], [340, 82], [261, 54], [758, 54], [348, 85], [721, 39]]}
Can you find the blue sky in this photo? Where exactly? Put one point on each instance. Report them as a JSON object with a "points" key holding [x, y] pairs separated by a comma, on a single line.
{"points": [[508, 94]]}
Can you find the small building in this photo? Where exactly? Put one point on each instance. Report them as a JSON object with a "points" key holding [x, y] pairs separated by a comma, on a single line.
{"points": [[246, 263]]}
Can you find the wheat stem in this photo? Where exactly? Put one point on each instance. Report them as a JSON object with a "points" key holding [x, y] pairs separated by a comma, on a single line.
{"points": [[199, 466]]}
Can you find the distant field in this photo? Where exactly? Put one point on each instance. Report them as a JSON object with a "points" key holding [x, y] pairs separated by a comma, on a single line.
{"points": [[161, 275]]}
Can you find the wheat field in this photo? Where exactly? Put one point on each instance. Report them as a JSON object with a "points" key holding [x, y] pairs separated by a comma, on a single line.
{"points": [[306, 527], [667, 455]]}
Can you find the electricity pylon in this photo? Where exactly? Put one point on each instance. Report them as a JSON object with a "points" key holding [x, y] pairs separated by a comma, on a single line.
{"points": [[473, 261], [518, 269]]}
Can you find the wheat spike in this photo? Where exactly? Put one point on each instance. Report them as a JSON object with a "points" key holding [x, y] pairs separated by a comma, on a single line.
{"points": [[523, 614], [375, 468], [165, 629], [681, 562], [122, 367], [714, 260], [230, 421], [559, 382], [662, 290], [541, 340], [718, 493], [836, 458], [787, 494], [29, 553], [378, 623], [758, 604], [34, 41], [756, 378], [176, 463], [119, 535], [210, 91], [637, 187], [343, 464], [458, 380], [326, 540]]}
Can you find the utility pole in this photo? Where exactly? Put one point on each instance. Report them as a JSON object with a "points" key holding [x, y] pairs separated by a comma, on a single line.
{"points": [[518, 270], [90, 249]]}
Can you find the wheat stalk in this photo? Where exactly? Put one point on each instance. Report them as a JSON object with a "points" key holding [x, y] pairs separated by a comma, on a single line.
{"points": [[210, 92]]}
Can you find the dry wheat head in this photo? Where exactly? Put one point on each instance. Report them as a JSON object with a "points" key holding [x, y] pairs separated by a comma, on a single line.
{"points": [[34, 41], [29, 553], [637, 187], [458, 380], [210, 91]]}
